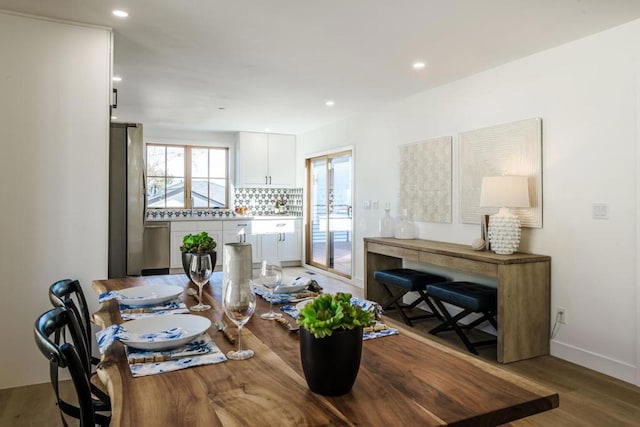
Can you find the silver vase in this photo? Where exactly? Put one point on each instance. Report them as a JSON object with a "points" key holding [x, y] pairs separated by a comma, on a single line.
{"points": [[237, 263]]}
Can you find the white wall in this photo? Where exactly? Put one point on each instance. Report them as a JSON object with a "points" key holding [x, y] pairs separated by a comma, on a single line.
{"points": [[54, 134], [586, 94]]}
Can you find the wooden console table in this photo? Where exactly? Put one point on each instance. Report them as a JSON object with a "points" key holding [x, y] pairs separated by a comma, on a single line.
{"points": [[523, 281]]}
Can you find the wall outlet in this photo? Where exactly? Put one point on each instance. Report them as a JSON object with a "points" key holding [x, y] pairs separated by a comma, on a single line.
{"points": [[562, 315]]}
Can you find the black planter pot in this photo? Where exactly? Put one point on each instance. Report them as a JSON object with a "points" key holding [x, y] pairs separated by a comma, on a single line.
{"points": [[331, 364], [186, 261]]}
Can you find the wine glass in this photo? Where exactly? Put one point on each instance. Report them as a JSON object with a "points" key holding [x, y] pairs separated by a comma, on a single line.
{"points": [[271, 276], [239, 303], [200, 270]]}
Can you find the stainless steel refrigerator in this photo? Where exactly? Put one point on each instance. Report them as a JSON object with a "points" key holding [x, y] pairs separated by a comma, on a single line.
{"points": [[127, 200]]}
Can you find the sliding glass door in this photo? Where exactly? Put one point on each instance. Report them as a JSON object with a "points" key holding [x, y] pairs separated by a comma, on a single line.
{"points": [[329, 209]]}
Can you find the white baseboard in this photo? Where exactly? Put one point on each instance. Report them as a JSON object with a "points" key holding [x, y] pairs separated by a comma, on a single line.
{"points": [[603, 364]]}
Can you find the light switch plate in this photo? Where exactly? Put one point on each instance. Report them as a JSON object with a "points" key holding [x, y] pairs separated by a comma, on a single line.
{"points": [[600, 211]]}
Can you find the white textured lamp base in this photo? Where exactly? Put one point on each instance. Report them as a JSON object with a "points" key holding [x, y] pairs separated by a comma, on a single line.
{"points": [[504, 233]]}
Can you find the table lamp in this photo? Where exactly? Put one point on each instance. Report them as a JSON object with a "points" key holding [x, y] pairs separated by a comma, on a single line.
{"points": [[504, 192]]}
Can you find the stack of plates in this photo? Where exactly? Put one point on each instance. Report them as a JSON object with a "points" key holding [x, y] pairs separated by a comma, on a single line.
{"points": [[148, 294]]}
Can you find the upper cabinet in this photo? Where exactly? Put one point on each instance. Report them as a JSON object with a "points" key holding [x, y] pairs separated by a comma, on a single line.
{"points": [[266, 159]]}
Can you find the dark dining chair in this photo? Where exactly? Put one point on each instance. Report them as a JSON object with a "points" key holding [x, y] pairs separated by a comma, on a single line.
{"points": [[68, 294], [64, 355]]}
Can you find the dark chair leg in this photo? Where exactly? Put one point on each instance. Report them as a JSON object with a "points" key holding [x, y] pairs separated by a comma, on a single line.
{"points": [[451, 323], [427, 299], [394, 303]]}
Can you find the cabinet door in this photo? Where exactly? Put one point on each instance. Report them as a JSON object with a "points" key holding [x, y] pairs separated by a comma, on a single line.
{"points": [[256, 253], [289, 247], [282, 160], [269, 246], [176, 254], [252, 158]]}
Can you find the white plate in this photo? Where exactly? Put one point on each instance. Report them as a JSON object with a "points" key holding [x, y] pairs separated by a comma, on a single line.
{"points": [[302, 304], [190, 327], [149, 294], [288, 289]]}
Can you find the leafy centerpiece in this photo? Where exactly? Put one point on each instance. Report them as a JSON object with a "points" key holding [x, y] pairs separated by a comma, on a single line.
{"points": [[200, 243], [327, 313], [331, 342]]}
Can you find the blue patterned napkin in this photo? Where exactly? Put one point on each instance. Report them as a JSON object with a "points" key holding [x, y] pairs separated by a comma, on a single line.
{"points": [[369, 335], [201, 351], [277, 298], [113, 295]]}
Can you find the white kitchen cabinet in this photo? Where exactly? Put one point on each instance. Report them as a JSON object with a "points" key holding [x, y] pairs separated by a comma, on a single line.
{"points": [[266, 159], [290, 245], [280, 239], [179, 229]]}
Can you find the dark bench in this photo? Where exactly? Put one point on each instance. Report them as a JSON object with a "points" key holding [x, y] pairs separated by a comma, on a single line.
{"points": [[408, 281], [472, 298]]}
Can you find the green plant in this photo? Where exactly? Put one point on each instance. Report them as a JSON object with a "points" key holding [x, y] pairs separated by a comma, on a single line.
{"points": [[198, 243], [328, 312]]}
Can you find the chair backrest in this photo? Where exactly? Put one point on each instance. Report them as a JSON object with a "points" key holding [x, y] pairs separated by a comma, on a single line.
{"points": [[65, 355], [68, 293]]}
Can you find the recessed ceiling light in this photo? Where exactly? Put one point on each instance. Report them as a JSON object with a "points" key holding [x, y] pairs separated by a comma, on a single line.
{"points": [[120, 13], [329, 103], [267, 130], [114, 118], [116, 78], [419, 65]]}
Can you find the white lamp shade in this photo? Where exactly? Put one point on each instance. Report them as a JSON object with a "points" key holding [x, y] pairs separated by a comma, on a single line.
{"points": [[505, 192]]}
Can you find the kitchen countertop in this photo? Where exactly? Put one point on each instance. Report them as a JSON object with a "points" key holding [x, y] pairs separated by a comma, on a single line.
{"points": [[224, 217]]}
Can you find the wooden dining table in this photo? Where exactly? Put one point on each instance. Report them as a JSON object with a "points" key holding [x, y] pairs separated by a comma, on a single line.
{"points": [[404, 379]]}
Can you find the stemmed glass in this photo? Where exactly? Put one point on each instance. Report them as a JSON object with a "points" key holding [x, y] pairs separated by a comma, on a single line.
{"points": [[239, 303], [200, 271], [271, 276]]}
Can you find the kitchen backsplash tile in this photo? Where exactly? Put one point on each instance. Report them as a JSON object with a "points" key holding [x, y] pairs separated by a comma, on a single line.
{"points": [[259, 201], [262, 201]]}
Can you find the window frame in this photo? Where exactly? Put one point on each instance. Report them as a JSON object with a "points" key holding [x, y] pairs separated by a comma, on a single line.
{"points": [[187, 172]]}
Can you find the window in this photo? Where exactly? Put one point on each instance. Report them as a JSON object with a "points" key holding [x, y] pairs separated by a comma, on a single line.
{"points": [[187, 177]]}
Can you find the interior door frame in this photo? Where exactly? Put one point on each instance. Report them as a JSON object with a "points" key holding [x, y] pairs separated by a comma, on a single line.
{"points": [[307, 208]]}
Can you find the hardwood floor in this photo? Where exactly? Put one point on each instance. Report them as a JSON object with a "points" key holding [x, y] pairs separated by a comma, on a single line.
{"points": [[587, 398]]}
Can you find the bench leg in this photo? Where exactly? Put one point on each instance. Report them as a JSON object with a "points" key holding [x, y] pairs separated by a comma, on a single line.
{"points": [[394, 302], [451, 324]]}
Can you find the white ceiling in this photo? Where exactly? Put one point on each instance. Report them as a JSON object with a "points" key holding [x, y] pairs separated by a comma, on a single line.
{"points": [[273, 63]]}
